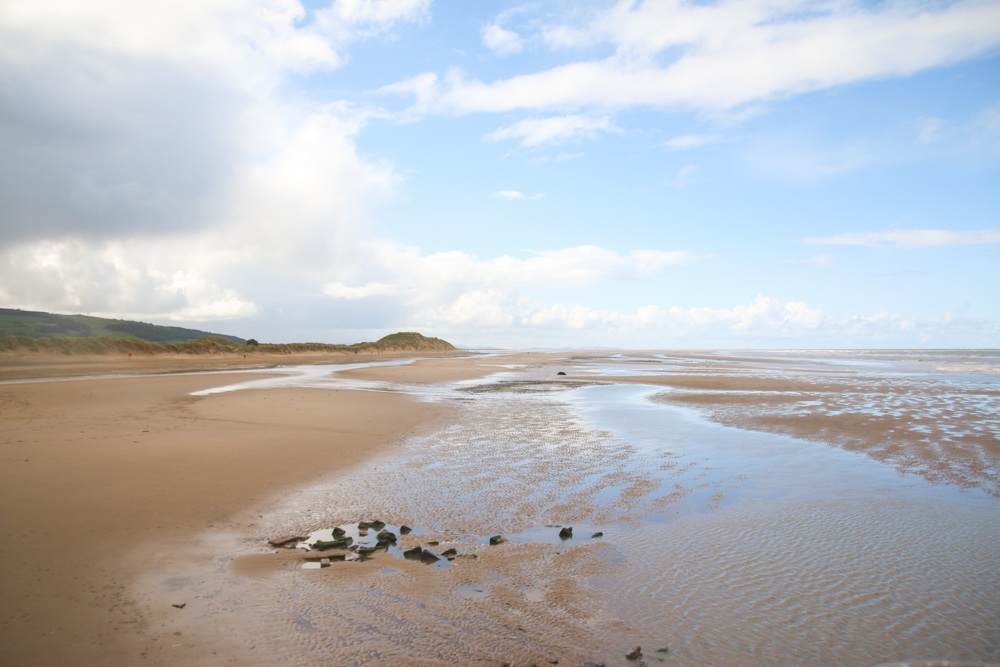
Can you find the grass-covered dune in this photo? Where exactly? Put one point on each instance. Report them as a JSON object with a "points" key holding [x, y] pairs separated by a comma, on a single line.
{"points": [[102, 345], [37, 324]]}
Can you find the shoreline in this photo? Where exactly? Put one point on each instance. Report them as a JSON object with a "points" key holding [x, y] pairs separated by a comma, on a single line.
{"points": [[100, 478], [36, 366]]}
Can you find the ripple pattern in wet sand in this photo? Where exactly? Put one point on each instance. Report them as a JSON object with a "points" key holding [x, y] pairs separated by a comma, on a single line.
{"points": [[689, 560]]}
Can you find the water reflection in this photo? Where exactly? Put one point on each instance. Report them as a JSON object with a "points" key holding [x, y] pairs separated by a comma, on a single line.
{"points": [[729, 546]]}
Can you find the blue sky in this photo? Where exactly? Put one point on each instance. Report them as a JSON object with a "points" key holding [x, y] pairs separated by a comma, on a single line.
{"points": [[630, 174]]}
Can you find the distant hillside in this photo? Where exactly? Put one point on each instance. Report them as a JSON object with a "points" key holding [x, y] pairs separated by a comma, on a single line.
{"points": [[410, 340], [36, 324], [213, 344]]}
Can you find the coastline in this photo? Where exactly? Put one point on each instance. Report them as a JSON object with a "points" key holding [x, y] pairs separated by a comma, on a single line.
{"points": [[101, 475]]}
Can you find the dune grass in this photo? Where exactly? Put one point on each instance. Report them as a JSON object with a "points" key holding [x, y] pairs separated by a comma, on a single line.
{"points": [[94, 345]]}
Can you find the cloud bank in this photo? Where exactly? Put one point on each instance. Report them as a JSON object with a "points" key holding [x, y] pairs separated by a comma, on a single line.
{"points": [[722, 55], [150, 162]]}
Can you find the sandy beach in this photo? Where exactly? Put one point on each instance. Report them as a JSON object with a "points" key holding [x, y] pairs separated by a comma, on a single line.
{"points": [[97, 471], [26, 366], [685, 478]]}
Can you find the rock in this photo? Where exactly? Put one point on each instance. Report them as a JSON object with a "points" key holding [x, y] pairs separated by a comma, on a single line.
{"points": [[566, 533], [332, 544], [433, 544], [560, 373], [180, 606], [338, 532], [386, 536], [450, 553], [377, 525], [428, 557], [635, 654], [496, 539], [598, 534], [286, 541], [362, 525], [405, 530], [413, 554], [663, 650]]}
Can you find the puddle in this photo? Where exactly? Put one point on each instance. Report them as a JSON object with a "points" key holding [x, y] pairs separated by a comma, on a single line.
{"points": [[306, 376], [354, 542]]}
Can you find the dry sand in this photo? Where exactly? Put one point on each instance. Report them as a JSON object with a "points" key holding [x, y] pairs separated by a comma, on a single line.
{"points": [[95, 471]]}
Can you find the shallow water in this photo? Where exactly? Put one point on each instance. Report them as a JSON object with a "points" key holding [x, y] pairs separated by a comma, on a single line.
{"points": [[724, 545]]}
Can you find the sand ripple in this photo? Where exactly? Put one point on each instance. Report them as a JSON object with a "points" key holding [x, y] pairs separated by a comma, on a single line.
{"points": [[693, 556]]}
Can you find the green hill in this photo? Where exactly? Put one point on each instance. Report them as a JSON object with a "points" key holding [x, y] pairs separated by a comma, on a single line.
{"points": [[410, 340], [31, 331], [36, 324]]}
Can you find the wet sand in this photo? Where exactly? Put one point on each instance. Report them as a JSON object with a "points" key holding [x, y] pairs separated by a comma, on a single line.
{"points": [[99, 478], [722, 544], [944, 430]]}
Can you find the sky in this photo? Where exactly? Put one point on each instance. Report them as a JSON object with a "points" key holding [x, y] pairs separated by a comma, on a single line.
{"points": [[643, 175]]}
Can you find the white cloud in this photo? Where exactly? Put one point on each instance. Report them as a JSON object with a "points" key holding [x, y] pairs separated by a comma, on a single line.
{"points": [[478, 308], [819, 261], [341, 291], [457, 289], [120, 279], [206, 301], [688, 141], [500, 41], [570, 267], [764, 316], [559, 316], [765, 321], [251, 42], [731, 53], [187, 179], [514, 194], [554, 130], [909, 237]]}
